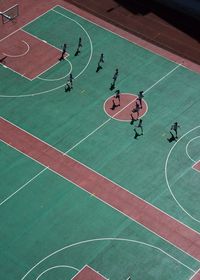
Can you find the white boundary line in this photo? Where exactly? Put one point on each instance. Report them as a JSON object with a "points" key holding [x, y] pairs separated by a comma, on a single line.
{"points": [[198, 271], [12, 70], [105, 239]]}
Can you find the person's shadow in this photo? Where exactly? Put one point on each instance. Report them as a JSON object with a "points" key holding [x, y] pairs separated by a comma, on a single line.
{"points": [[172, 138]]}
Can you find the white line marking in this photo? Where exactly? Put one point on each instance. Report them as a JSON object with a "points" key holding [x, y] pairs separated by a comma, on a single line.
{"points": [[54, 267], [19, 55], [97, 272], [105, 239], [78, 272], [39, 39], [187, 153], [12, 70], [33, 178], [198, 271], [52, 80]]}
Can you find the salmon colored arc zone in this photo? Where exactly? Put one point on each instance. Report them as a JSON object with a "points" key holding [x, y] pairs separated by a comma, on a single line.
{"points": [[124, 111]]}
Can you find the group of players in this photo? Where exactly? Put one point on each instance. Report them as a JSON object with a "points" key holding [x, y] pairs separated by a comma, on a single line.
{"points": [[138, 103]]}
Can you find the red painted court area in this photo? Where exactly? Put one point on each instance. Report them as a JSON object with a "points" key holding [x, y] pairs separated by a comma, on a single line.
{"points": [[89, 274], [196, 166], [127, 104], [196, 277], [27, 55], [105, 190]]}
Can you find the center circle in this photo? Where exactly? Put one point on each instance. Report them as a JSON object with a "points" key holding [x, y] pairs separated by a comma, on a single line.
{"points": [[123, 110]]}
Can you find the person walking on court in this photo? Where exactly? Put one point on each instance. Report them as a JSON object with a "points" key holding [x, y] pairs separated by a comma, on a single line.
{"points": [[117, 95], [101, 60], [136, 133], [132, 119], [172, 138], [71, 79], [68, 87], [140, 96], [63, 52], [80, 42], [114, 105], [140, 126], [79, 46], [175, 127], [115, 75], [99, 67], [112, 86], [136, 109]]}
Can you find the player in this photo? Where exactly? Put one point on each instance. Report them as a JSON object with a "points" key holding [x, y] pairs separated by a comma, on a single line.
{"points": [[68, 87], [79, 47], [115, 75], [63, 52], [101, 58], [140, 126], [140, 96], [136, 109], [2, 60], [175, 127], [117, 95]]}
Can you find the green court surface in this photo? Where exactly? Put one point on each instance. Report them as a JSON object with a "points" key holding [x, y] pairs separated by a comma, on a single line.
{"points": [[50, 228]]}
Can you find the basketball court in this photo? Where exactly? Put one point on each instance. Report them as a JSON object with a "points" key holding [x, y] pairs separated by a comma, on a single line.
{"points": [[80, 197]]}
